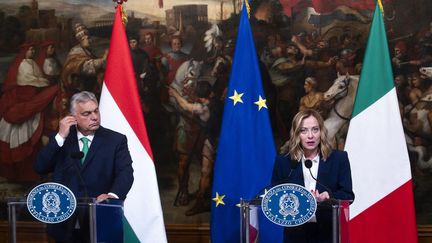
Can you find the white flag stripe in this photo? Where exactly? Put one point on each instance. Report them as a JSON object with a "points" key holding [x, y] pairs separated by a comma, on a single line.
{"points": [[385, 166], [254, 217], [144, 213]]}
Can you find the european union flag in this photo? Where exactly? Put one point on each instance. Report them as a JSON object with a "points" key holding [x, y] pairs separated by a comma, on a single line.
{"points": [[246, 150]]}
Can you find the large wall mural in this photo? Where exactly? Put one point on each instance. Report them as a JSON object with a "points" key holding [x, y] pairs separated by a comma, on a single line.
{"points": [[310, 56]]}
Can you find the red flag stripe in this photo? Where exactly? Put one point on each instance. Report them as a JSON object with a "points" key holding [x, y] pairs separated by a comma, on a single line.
{"points": [[375, 224], [253, 234], [119, 67]]}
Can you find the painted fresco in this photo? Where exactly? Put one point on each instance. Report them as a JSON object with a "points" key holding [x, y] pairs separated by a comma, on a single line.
{"points": [[50, 49]]}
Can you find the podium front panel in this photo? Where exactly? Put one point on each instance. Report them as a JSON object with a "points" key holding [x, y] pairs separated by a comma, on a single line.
{"points": [[104, 220], [336, 211]]}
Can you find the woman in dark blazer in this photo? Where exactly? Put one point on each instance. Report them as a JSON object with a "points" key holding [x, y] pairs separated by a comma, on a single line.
{"points": [[331, 169]]}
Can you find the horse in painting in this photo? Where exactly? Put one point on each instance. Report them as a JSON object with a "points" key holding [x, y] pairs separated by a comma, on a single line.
{"points": [[341, 94]]}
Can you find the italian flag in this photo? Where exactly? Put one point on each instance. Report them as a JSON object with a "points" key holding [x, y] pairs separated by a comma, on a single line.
{"points": [[383, 210], [120, 110]]}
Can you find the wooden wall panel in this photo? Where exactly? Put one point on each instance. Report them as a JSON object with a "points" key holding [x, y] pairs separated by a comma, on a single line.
{"points": [[188, 233], [27, 232], [425, 234]]}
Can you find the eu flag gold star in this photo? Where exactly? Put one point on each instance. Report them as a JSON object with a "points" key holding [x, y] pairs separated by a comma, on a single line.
{"points": [[237, 97], [219, 199], [261, 103]]}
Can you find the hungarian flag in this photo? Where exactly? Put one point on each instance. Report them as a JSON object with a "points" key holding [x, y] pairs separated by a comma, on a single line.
{"points": [[120, 109], [383, 210]]}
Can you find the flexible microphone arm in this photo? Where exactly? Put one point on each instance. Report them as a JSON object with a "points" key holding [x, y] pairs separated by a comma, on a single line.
{"points": [[308, 165], [78, 156]]}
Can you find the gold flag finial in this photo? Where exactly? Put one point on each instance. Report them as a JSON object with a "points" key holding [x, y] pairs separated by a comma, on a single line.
{"points": [[381, 6], [247, 8], [123, 10], [124, 15]]}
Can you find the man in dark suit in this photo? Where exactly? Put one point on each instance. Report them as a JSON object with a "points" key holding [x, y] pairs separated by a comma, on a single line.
{"points": [[102, 170]]}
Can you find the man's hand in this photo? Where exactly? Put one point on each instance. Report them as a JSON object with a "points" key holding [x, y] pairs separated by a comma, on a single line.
{"points": [[65, 124], [103, 197]]}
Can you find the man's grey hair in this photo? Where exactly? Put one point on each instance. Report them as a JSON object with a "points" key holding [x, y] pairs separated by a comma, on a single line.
{"points": [[81, 97]]}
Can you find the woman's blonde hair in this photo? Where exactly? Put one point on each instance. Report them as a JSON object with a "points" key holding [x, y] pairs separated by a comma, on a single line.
{"points": [[293, 147]]}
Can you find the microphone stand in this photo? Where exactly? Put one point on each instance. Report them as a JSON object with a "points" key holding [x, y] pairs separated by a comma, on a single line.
{"points": [[79, 156], [308, 165], [329, 203]]}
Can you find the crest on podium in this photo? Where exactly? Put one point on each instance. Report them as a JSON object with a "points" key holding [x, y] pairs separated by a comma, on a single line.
{"points": [[289, 205], [51, 203]]}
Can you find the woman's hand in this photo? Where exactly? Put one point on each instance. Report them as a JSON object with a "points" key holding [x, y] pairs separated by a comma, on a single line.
{"points": [[320, 196]]}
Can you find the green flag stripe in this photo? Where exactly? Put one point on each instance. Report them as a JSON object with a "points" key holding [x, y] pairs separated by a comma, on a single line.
{"points": [[129, 235], [376, 77]]}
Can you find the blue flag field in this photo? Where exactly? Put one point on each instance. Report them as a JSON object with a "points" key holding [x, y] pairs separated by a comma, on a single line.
{"points": [[246, 149]]}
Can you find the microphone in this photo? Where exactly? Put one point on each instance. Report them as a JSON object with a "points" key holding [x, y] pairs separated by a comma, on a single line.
{"points": [[77, 155], [308, 165]]}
